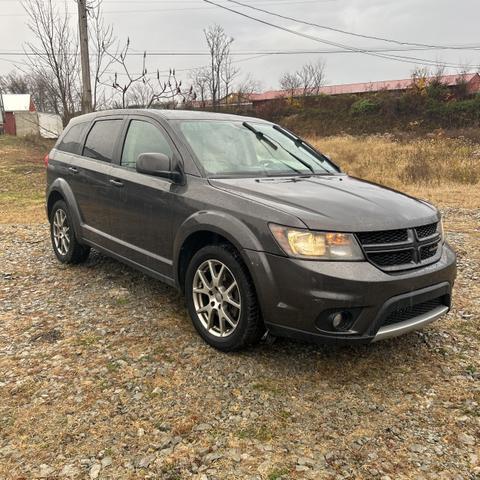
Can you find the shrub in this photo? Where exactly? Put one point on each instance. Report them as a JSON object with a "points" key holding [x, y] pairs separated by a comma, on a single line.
{"points": [[437, 90], [364, 106]]}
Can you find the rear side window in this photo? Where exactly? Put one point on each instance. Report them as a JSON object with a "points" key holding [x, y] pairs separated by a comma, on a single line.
{"points": [[143, 137], [72, 140], [100, 143]]}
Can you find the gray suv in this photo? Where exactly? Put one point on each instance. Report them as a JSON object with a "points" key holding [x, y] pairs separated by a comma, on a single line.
{"points": [[262, 233]]}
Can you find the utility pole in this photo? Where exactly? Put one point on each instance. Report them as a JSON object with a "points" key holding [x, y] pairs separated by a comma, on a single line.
{"points": [[83, 34]]}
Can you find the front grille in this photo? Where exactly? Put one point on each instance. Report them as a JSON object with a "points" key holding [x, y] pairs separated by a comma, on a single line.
{"points": [[428, 252], [401, 249], [386, 236], [402, 314], [387, 259], [426, 230]]}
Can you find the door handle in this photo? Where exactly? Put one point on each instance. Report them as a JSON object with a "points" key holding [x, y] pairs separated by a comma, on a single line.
{"points": [[73, 170], [117, 183]]}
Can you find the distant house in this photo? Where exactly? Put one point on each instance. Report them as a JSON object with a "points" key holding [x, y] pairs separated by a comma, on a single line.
{"points": [[11, 104], [18, 116], [471, 81]]}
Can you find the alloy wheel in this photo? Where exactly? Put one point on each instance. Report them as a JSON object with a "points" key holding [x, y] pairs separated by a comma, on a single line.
{"points": [[61, 232], [216, 297]]}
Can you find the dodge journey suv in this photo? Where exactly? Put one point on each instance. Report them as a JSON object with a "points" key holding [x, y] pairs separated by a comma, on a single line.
{"points": [[261, 232]]}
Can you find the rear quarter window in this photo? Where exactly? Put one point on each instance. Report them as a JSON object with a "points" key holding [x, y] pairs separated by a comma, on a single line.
{"points": [[71, 142], [101, 140]]}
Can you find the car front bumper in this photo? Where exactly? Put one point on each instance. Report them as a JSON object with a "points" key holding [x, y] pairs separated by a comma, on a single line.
{"points": [[298, 297]]}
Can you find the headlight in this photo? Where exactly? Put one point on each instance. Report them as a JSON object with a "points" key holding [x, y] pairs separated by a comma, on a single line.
{"points": [[317, 245], [441, 231]]}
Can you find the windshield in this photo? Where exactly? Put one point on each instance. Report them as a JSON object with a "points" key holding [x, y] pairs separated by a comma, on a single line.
{"points": [[233, 148]]}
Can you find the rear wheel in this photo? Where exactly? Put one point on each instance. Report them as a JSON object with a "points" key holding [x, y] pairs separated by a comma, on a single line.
{"points": [[64, 242], [221, 298]]}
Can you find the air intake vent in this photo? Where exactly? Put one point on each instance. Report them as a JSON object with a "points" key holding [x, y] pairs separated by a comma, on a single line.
{"points": [[407, 313]]}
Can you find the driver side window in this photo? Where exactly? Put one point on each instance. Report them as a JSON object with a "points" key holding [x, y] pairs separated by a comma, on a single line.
{"points": [[143, 137]]}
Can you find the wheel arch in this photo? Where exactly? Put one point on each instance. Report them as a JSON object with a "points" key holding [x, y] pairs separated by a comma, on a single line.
{"points": [[207, 228], [61, 190]]}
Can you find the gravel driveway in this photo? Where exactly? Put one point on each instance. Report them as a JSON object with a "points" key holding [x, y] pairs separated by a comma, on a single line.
{"points": [[103, 376]]}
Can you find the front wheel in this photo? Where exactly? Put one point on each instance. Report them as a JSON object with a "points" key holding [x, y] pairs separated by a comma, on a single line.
{"points": [[221, 298], [64, 242]]}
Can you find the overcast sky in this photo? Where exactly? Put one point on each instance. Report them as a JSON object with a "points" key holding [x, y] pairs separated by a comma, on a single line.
{"points": [[177, 25]]}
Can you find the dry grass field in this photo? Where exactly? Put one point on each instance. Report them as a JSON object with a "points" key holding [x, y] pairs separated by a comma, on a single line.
{"points": [[103, 377], [445, 171]]}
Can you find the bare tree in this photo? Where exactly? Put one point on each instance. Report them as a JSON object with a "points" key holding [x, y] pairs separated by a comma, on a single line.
{"points": [[200, 78], [140, 89], [41, 89], [102, 41], [169, 90], [308, 80], [122, 86], [219, 47], [14, 82], [228, 74], [139, 95], [312, 77], [291, 83], [53, 57], [246, 87]]}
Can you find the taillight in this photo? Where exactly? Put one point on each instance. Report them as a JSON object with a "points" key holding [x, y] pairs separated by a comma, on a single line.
{"points": [[45, 160]]}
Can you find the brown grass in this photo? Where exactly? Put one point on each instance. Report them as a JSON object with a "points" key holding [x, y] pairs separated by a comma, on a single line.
{"points": [[22, 179], [443, 170]]}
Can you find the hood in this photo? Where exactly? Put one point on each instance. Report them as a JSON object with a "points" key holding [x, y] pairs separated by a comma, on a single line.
{"points": [[334, 202]]}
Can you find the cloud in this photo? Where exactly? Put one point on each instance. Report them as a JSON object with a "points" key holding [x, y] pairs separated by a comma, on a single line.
{"points": [[155, 26]]}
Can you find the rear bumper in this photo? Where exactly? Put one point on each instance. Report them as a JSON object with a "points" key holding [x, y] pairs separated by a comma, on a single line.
{"points": [[297, 297]]}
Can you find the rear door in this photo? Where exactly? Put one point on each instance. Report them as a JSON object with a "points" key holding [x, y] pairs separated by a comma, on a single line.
{"points": [[92, 186], [68, 154], [145, 205]]}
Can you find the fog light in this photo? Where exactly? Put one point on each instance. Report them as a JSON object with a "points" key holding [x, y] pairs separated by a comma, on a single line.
{"points": [[341, 321]]}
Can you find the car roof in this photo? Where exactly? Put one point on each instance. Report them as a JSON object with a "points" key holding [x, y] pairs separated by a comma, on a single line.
{"points": [[170, 115]]}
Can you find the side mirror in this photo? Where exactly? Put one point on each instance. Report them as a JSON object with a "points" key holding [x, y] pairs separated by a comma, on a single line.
{"points": [[158, 165]]}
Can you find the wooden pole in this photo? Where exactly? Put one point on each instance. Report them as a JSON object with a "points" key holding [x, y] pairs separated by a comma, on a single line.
{"points": [[85, 59]]}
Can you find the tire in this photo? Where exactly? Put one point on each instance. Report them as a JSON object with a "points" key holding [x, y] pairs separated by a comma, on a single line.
{"points": [[215, 302], [64, 241]]}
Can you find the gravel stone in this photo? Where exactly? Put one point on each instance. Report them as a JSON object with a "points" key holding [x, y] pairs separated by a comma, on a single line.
{"points": [[102, 375], [95, 471], [45, 471], [106, 462], [69, 471], [466, 439]]}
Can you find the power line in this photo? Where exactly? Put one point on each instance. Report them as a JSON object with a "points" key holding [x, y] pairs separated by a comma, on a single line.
{"points": [[398, 58], [176, 9], [338, 30], [140, 53]]}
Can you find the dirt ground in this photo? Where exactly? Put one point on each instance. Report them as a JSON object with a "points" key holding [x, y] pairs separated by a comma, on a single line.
{"points": [[103, 376]]}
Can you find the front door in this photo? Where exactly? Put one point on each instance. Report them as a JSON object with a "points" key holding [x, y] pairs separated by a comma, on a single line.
{"points": [[144, 204]]}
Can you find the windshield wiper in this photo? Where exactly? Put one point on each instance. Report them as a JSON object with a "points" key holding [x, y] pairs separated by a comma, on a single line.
{"points": [[260, 135], [298, 159], [264, 138], [273, 143], [300, 143]]}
